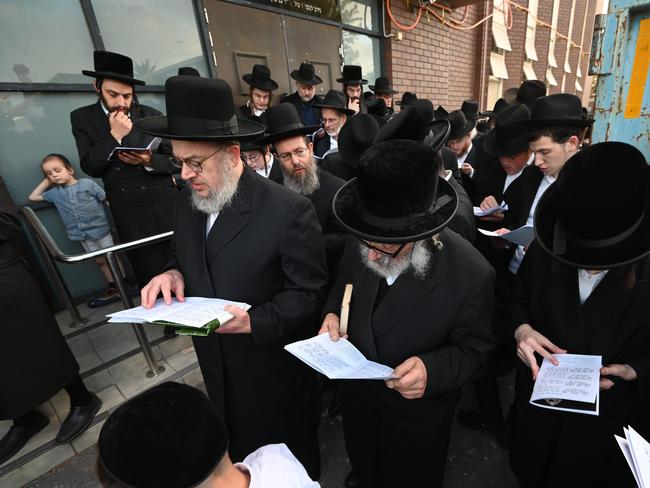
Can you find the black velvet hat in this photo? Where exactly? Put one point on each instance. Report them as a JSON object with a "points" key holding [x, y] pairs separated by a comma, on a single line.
{"points": [[470, 109], [441, 113], [529, 92], [425, 108], [460, 125], [336, 100], [597, 214], [508, 137], [352, 75], [382, 85], [113, 66], [199, 109], [170, 435], [283, 122], [306, 75], [188, 71], [411, 123], [260, 78], [407, 99], [499, 105], [560, 109], [377, 107], [356, 135], [397, 196]]}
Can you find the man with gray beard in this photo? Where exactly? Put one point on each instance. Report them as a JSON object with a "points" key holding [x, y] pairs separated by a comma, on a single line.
{"points": [[301, 174], [422, 304], [240, 237]]}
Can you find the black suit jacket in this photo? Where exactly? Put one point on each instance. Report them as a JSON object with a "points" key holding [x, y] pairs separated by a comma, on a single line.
{"points": [[294, 99], [246, 112], [265, 249], [321, 146], [548, 446], [463, 222]]}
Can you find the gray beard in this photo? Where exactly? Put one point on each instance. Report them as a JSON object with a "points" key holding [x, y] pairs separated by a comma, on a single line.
{"points": [[418, 262], [217, 199], [306, 185]]}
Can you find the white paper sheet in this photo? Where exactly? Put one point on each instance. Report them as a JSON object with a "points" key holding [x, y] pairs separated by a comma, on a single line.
{"points": [[484, 213], [193, 312], [640, 450], [338, 360], [522, 236], [623, 444]]}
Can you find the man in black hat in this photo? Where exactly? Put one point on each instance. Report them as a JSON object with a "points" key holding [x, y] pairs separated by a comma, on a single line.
{"points": [[583, 288], [384, 89], [499, 105], [406, 100], [258, 156], [242, 237], [408, 313], [529, 92], [305, 96], [301, 174], [139, 185], [334, 114], [260, 92], [178, 423], [352, 80]]}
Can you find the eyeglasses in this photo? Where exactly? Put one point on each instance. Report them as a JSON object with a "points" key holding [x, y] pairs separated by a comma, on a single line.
{"points": [[250, 158], [288, 156], [196, 166], [393, 255]]}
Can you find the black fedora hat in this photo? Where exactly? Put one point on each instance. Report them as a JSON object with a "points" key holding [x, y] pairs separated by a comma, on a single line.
{"points": [[188, 71], [282, 122], [421, 203], [460, 125], [254, 145], [560, 109], [470, 109], [382, 85], [199, 109], [336, 100], [113, 66], [509, 136], [260, 78], [592, 218], [407, 124], [306, 75], [499, 105], [407, 99], [156, 425], [377, 107], [529, 92], [352, 75], [441, 113], [425, 108], [356, 135]]}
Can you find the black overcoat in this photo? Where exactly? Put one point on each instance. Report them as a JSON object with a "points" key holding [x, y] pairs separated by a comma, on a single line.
{"points": [[443, 319], [562, 449], [141, 201], [35, 359], [266, 250], [294, 99]]}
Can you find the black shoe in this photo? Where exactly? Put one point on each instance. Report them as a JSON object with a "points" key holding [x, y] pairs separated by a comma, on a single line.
{"points": [[170, 332], [78, 420], [18, 435], [352, 480]]}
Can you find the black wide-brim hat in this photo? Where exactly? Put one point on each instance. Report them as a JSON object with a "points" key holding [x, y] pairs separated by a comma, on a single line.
{"points": [[407, 99], [460, 125], [113, 66], [170, 435], [398, 195], [499, 106], [509, 136], [591, 218], [283, 122], [199, 109], [356, 135], [260, 78], [382, 85], [352, 75], [335, 99], [306, 75], [561, 109]]}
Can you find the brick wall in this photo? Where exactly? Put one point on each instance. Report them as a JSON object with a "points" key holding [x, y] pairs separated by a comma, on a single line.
{"points": [[561, 44], [515, 58], [542, 38], [586, 50]]}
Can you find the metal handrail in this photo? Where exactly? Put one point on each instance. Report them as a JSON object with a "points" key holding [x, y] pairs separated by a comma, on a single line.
{"points": [[51, 250]]}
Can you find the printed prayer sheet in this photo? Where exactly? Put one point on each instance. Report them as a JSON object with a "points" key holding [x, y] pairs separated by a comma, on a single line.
{"points": [[484, 213], [338, 360], [572, 386], [522, 236]]}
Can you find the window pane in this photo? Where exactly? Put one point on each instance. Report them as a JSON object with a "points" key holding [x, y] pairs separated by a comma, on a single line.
{"points": [[42, 41], [160, 36], [364, 51], [360, 13]]}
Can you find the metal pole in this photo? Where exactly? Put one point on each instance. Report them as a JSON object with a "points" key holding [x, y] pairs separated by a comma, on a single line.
{"points": [[154, 369], [64, 293]]}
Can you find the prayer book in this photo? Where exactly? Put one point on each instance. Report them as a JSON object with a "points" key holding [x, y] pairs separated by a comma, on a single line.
{"points": [[338, 360], [572, 386], [152, 146], [522, 236], [484, 213], [196, 316], [637, 454]]}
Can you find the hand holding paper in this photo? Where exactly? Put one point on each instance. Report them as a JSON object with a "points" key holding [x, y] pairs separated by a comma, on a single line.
{"points": [[522, 236]]}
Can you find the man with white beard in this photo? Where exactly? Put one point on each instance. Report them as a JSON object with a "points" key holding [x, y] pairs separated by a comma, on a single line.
{"points": [[239, 236], [421, 303], [294, 152], [305, 98], [334, 114]]}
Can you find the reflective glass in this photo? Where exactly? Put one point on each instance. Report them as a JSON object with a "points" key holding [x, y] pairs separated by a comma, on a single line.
{"points": [[42, 41], [160, 36], [360, 13], [364, 51]]}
